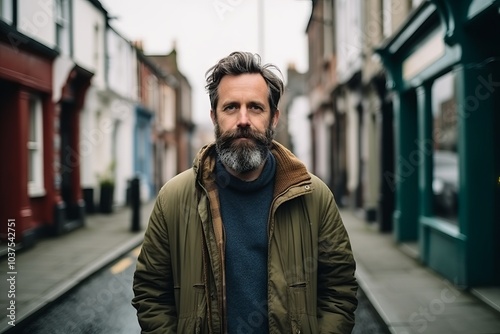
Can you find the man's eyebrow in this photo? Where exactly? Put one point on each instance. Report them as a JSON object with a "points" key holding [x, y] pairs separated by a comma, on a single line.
{"points": [[229, 102], [257, 103]]}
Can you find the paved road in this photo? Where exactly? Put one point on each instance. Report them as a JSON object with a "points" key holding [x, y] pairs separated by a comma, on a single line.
{"points": [[101, 305], [367, 319]]}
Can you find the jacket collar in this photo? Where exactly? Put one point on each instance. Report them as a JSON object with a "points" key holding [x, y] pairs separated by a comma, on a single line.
{"points": [[289, 169]]}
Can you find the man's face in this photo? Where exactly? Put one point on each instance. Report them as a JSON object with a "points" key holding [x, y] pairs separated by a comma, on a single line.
{"points": [[243, 125]]}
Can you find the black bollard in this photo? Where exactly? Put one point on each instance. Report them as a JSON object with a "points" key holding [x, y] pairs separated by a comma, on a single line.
{"points": [[135, 204]]}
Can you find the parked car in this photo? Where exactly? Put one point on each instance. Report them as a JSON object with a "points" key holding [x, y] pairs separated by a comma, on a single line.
{"points": [[445, 184]]}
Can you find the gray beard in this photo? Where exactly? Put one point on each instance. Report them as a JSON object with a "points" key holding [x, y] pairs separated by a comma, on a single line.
{"points": [[243, 160], [245, 156]]}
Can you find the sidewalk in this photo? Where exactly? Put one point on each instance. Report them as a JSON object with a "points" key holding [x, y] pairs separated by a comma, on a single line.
{"points": [[57, 264], [409, 297]]}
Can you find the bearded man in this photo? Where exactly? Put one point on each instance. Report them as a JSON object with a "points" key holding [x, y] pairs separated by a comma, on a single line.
{"points": [[247, 240]]}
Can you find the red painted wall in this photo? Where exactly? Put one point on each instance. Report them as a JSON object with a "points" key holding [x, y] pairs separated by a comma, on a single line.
{"points": [[22, 73]]}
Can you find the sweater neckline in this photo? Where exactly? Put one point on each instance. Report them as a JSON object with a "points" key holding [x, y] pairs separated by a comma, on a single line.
{"points": [[225, 179]]}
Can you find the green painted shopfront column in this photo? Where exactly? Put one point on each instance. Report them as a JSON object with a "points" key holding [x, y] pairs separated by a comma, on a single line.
{"points": [[479, 149], [405, 181]]}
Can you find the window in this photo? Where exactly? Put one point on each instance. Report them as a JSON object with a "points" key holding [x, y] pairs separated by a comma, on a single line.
{"points": [[445, 133], [6, 11], [62, 26], [35, 148]]}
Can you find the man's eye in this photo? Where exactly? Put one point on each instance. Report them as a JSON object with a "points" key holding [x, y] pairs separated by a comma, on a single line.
{"points": [[256, 107], [229, 108]]}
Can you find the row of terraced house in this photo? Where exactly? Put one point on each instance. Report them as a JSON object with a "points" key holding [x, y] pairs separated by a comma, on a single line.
{"points": [[403, 101], [82, 111]]}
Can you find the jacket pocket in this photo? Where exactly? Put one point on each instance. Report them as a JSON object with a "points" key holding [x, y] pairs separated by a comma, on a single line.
{"points": [[297, 294], [200, 313], [302, 316], [201, 322], [193, 317]]}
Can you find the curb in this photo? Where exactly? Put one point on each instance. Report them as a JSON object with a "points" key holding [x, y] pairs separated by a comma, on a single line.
{"points": [[362, 278]]}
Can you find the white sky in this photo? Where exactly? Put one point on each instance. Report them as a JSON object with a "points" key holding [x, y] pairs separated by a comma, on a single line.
{"points": [[207, 30]]}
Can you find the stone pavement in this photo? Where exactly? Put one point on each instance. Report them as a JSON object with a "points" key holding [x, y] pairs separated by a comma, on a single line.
{"points": [[57, 264], [409, 297]]}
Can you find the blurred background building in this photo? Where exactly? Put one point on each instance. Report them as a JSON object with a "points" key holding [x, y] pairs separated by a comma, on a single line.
{"points": [[80, 119], [404, 110]]}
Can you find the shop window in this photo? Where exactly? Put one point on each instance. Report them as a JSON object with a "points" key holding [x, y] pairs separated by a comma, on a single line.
{"points": [[35, 148], [445, 134], [6, 11]]}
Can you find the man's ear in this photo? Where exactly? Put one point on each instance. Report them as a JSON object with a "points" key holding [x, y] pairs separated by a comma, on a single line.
{"points": [[213, 116], [276, 118]]}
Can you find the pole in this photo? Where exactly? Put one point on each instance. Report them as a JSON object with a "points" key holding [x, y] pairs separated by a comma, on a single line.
{"points": [[135, 202]]}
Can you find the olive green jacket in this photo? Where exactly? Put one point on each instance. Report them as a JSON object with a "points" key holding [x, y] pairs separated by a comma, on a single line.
{"points": [[179, 282]]}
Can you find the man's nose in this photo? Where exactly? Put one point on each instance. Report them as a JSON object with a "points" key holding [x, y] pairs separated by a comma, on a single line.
{"points": [[243, 120]]}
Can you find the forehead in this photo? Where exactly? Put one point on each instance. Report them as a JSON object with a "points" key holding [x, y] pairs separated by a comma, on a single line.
{"points": [[243, 86]]}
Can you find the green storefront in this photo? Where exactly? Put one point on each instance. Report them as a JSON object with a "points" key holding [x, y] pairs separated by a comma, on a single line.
{"points": [[444, 73]]}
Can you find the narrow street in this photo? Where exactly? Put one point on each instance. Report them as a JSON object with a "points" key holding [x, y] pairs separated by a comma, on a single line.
{"points": [[101, 305]]}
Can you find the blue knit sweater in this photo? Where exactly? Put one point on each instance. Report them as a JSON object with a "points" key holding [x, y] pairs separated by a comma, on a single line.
{"points": [[245, 211]]}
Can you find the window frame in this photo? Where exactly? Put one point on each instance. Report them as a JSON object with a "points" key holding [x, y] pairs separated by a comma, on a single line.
{"points": [[61, 21], [34, 146]]}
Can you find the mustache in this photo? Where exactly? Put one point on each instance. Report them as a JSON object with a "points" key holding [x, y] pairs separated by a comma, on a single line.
{"points": [[244, 133]]}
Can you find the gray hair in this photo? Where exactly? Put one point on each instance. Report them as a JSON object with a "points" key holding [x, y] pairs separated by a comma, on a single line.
{"points": [[242, 63]]}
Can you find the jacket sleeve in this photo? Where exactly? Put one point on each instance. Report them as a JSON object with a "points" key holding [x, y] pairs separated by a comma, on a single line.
{"points": [[337, 285], [153, 283]]}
